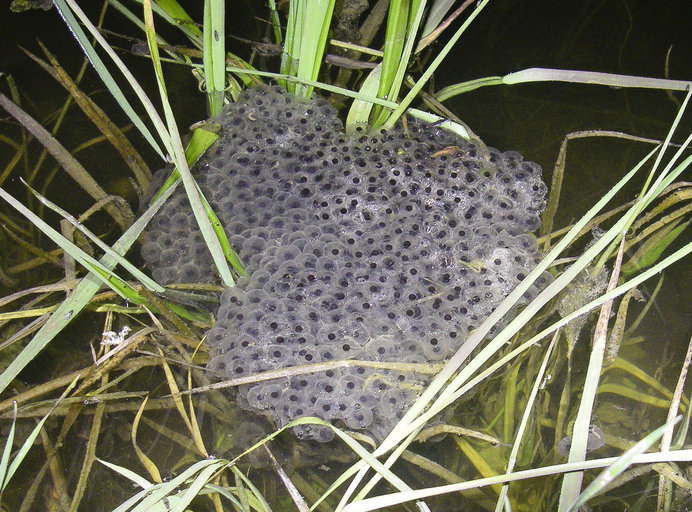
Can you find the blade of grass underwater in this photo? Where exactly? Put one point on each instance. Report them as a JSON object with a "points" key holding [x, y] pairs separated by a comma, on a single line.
{"points": [[201, 140], [620, 465], [194, 489], [563, 75], [98, 117], [67, 9], [78, 299], [511, 462], [653, 247], [128, 473], [175, 146], [571, 484], [71, 166], [9, 441], [214, 54]]}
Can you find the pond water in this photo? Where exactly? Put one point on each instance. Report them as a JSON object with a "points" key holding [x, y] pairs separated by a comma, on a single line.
{"points": [[609, 36]]}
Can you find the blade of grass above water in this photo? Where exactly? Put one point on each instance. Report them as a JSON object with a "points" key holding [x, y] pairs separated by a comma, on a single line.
{"points": [[214, 54], [134, 271], [427, 74], [562, 75], [175, 147], [68, 9], [106, 275]]}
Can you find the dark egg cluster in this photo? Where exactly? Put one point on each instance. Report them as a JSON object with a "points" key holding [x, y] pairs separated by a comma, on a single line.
{"points": [[381, 247]]}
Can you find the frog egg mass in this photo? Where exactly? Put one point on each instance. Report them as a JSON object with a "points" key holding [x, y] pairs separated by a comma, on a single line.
{"points": [[383, 247]]}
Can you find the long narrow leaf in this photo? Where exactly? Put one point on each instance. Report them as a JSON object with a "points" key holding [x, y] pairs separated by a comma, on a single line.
{"points": [[68, 9], [134, 271], [76, 301], [214, 52], [106, 275], [29, 441], [176, 147]]}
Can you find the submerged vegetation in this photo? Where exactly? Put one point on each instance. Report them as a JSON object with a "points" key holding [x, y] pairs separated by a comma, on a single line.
{"points": [[565, 377]]}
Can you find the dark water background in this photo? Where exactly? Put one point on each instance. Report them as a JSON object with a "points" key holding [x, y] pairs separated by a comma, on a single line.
{"points": [[626, 37]]}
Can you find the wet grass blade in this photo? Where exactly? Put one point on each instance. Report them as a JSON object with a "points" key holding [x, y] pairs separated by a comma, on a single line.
{"points": [[395, 38], [68, 9], [359, 113], [622, 463], [66, 160], [106, 275], [427, 74], [306, 38], [7, 471], [134, 271], [174, 145], [214, 53], [562, 75]]}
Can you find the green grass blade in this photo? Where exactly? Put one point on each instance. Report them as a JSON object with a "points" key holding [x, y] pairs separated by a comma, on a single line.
{"points": [[129, 474], [194, 489], [106, 275], [7, 451], [68, 9], [622, 463], [201, 140], [359, 113], [315, 28], [134, 271], [214, 54], [176, 150], [653, 248], [433, 66], [276, 21], [78, 299], [294, 28], [528, 412], [563, 75], [172, 11], [395, 38]]}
